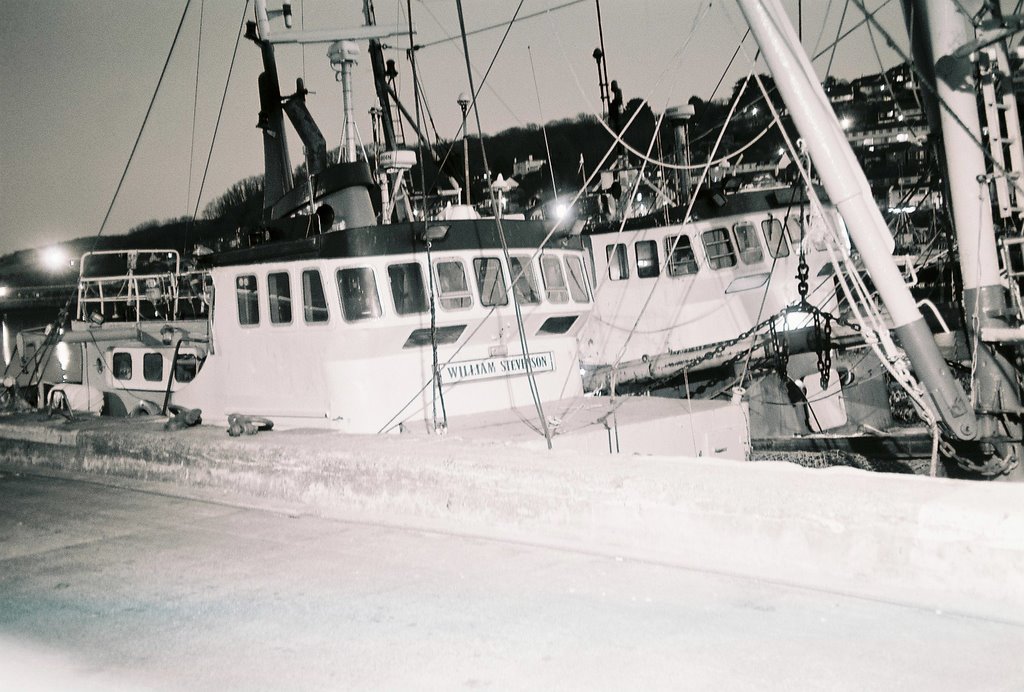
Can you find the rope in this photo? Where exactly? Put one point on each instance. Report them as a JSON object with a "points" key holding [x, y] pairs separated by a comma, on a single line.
{"points": [[195, 109], [544, 128], [437, 393], [220, 111], [501, 231]]}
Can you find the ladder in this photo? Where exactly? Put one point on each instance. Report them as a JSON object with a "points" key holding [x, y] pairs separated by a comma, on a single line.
{"points": [[997, 70]]}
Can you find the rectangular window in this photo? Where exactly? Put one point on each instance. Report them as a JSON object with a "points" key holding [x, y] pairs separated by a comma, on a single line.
{"points": [[747, 244], [618, 264], [452, 285], [577, 280], [718, 245], [646, 258], [490, 279], [775, 237], [248, 300], [795, 230], [357, 288], [185, 367], [407, 288], [122, 366], [681, 260], [153, 367], [554, 279], [524, 280], [279, 294], [314, 300]]}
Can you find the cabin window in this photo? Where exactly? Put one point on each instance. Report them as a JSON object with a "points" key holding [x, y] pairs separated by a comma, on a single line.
{"points": [[618, 264], [153, 367], [279, 293], [121, 365], [646, 258], [795, 230], [718, 245], [554, 279], [577, 280], [524, 280], [747, 244], [681, 260], [248, 300], [452, 285], [775, 237], [358, 290], [314, 299], [186, 365], [407, 288], [490, 279]]}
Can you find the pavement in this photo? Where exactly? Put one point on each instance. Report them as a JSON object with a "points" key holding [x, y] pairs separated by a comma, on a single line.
{"points": [[109, 588], [949, 545]]}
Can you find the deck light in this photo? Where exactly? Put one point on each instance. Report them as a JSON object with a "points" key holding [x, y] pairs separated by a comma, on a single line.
{"points": [[433, 233]]}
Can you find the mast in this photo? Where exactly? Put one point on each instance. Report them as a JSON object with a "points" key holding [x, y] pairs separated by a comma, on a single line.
{"points": [[848, 189], [942, 37], [277, 166]]}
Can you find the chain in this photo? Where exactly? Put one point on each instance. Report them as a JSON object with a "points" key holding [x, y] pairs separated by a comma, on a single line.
{"points": [[994, 465]]}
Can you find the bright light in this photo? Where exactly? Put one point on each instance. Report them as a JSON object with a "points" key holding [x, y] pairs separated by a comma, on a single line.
{"points": [[902, 137], [846, 123], [560, 210], [4, 291], [54, 258], [63, 355], [781, 151], [753, 111]]}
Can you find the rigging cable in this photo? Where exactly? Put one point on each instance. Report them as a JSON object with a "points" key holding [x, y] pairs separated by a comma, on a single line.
{"points": [[220, 110], [195, 109], [66, 309], [515, 19], [142, 128], [437, 390], [497, 219], [543, 127]]}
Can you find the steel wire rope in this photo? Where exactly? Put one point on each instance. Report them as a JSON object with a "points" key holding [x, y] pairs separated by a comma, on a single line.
{"points": [[387, 425], [501, 230], [543, 127], [617, 138], [437, 392], [66, 309], [689, 209], [555, 227], [220, 110], [195, 109]]}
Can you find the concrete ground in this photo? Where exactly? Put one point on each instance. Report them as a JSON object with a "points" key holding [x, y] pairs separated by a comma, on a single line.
{"points": [[938, 544], [119, 584]]}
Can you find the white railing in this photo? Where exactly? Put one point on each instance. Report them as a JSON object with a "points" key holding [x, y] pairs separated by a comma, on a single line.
{"points": [[140, 285]]}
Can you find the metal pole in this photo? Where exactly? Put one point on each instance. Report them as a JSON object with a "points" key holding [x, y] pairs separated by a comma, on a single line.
{"points": [[940, 29], [464, 105]]}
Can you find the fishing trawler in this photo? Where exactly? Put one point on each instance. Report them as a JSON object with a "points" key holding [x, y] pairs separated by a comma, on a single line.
{"points": [[694, 294], [336, 313]]}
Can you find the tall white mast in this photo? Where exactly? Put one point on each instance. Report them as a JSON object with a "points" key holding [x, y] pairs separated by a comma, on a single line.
{"points": [[943, 38]]}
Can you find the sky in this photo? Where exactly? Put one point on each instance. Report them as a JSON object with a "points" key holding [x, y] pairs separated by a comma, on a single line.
{"points": [[78, 76]]}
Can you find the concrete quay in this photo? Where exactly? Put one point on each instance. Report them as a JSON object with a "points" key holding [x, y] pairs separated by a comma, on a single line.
{"points": [[942, 544]]}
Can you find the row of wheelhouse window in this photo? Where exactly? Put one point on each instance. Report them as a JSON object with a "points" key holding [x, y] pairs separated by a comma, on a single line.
{"points": [[563, 280], [723, 248]]}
